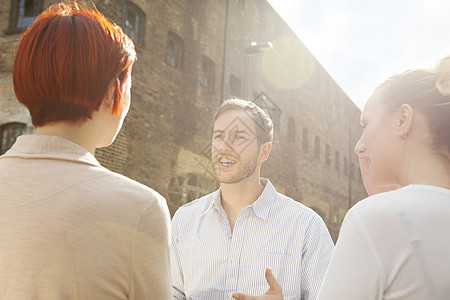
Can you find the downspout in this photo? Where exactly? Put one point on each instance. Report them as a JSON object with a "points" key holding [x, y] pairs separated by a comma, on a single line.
{"points": [[350, 169], [225, 53]]}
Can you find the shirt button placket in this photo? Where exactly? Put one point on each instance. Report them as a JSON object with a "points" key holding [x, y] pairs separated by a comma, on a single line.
{"points": [[232, 267], [235, 248]]}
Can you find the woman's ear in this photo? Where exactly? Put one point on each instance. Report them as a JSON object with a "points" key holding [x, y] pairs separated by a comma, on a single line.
{"points": [[405, 119], [111, 96]]}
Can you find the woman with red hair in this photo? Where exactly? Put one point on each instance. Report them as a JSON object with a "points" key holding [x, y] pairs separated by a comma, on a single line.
{"points": [[70, 228]]}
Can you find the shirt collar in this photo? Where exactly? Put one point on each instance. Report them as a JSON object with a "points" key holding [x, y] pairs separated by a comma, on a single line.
{"points": [[53, 147], [213, 202], [261, 206], [265, 201]]}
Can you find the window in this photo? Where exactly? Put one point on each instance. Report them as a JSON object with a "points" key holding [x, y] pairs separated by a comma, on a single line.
{"points": [[134, 23], [235, 87], [269, 106], [23, 14], [276, 120], [8, 135], [174, 51], [305, 139], [184, 189], [327, 154], [317, 146], [291, 129], [208, 70], [259, 19], [345, 166], [258, 16], [336, 160]]}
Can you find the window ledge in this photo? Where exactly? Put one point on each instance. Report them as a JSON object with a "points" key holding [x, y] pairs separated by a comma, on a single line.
{"points": [[14, 30]]}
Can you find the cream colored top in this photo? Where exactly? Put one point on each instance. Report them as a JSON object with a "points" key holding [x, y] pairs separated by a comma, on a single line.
{"points": [[71, 229], [395, 246]]}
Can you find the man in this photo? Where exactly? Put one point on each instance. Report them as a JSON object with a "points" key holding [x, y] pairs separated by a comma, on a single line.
{"points": [[223, 242]]}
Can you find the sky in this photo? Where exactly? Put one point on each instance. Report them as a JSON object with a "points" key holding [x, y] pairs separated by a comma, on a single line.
{"points": [[363, 42]]}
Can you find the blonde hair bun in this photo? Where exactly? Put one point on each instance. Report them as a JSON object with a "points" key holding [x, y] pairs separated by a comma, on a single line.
{"points": [[442, 70]]}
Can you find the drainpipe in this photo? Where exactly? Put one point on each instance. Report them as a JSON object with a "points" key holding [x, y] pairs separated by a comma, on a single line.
{"points": [[350, 170], [225, 52]]}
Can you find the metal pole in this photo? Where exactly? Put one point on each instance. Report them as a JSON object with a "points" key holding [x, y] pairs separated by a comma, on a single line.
{"points": [[225, 53], [253, 48], [350, 170], [247, 69]]}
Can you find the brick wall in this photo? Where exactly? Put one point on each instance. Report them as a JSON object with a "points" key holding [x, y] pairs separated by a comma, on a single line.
{"points": [[164, 142]]}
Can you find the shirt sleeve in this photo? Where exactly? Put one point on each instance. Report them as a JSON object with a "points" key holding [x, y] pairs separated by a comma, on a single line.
{"points": [[150, 253], [316, 253], [176, 269], [355, 270]]}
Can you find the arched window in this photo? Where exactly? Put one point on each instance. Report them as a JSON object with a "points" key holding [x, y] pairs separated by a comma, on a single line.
{"points": [[327, 154], [184, 189], [305, 142], [345, 166], [208, 72], [291, 129], [352, 170], [317, 146], [174, 50], [23, 13], [134, 23], [8, 135], [336, 160]]}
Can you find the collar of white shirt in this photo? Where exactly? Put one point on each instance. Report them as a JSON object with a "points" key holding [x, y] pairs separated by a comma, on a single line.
{"points": [[261, 207]]}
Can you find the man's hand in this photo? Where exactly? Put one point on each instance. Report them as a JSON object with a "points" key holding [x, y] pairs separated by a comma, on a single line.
{"points": [[273, 293]]}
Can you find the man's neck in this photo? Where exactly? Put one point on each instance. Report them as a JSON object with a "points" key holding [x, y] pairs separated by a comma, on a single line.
{"points": [[236, 196]]}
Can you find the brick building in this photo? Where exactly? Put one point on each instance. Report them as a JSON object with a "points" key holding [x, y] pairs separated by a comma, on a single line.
{"points": [[178, 82]]}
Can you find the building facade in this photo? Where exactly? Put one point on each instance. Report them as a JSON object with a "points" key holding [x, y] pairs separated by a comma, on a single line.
{"points": [[192, 55]]}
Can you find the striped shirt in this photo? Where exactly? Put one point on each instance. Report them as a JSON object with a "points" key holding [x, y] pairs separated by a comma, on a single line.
{"points": [[209, 261]]}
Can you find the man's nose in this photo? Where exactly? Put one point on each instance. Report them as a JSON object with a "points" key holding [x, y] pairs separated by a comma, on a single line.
{"points": [[227, 143]]}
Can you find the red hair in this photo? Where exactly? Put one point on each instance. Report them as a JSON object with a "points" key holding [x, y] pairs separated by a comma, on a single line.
{"points": [[66, 61]]}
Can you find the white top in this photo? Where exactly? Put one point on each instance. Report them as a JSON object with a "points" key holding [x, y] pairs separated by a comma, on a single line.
{"points": [[209, 261], [394, 245], [71, 229]]}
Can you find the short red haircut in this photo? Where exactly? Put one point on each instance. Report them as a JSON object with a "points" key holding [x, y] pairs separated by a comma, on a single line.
{"points": [[65, 62]]}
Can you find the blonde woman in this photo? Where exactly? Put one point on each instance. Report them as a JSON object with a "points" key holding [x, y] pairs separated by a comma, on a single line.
{"points": [[396, 244]]}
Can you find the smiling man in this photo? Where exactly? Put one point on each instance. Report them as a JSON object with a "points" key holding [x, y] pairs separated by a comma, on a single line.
{"points": [[223, 242]]}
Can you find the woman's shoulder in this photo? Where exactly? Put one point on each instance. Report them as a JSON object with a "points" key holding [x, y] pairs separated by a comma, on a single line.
{"points": [[409, 200], [411, 193]]}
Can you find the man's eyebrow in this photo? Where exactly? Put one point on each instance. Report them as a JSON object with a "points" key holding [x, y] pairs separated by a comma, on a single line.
{"points": [[240, 131], [243, 131]]}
